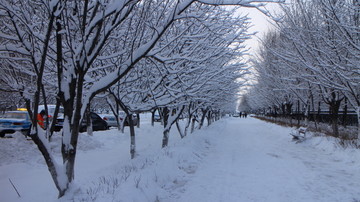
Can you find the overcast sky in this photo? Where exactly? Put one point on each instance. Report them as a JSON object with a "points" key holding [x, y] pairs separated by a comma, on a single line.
{"points": [[260, 24]]}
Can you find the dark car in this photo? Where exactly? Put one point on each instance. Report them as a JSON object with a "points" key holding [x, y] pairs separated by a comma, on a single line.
{"points": [[97, 123]]}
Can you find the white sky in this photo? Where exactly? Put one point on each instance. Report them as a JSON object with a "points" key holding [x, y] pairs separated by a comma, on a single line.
{"points": [[260, 24]]}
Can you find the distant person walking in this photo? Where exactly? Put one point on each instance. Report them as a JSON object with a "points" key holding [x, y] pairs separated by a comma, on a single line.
{"points": [[244, 114]]}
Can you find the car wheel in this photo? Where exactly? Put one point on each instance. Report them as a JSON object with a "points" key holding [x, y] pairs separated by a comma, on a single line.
{"points": [[57, 128], [82, 129], [26, 132]]}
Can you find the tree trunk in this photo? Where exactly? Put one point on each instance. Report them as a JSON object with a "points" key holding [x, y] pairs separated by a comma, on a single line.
{"points": [[122, 125], [72, 118], [170, 117], [204, 113], [193, 120], [182, 135], [288, 111], [132, 138], [187, 125], [318, 112], [208, 117], [165, 139], [118, 122], [51, 164], [138, 120], [131, 125], [165, 115], [152, 117], [313, 111], [344, 121], [334, 114], [283, 109], [54, 120], [307, 113], [69, 163], [358, 119], [298, 113], [89, 126]]}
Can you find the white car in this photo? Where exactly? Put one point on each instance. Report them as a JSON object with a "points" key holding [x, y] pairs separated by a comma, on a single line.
{"points": [[51, 110], [111, 121], [157, 118]]}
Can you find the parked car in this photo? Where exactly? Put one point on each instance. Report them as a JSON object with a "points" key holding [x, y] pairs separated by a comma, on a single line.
{"points": [[122, 116], [97, 123], [134, 119], [13, 121], [111, 120], [60, 117], [157, 118]]}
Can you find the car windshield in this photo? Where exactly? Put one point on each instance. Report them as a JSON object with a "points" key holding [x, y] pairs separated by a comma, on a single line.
{"points": [[52, 110], [15, 115]]}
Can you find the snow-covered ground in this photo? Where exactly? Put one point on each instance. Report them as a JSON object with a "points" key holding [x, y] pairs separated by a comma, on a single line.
{"points": [[234, 159]]}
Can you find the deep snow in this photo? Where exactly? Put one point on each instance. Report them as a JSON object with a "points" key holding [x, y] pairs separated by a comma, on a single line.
{"points": [[234, 159]]}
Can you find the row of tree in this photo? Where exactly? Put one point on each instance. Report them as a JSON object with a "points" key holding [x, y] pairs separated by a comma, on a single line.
{"points": [[175, 55], [311, 60]]}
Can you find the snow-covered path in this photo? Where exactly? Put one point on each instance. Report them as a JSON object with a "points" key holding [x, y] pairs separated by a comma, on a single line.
{"points": [[257, 161], [232, 160]]}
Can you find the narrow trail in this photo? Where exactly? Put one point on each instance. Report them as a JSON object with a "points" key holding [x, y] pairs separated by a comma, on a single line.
{"points": [[252, 160]]}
